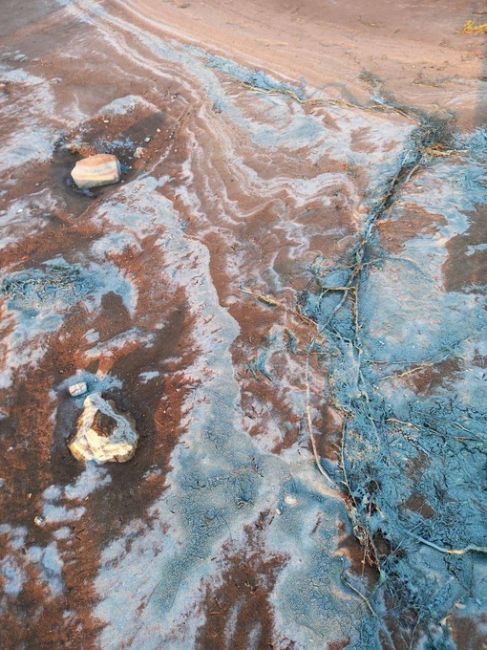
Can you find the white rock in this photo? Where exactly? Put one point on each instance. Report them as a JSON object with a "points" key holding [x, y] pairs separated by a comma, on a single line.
{"points": [[94, 171], [102, 434], [75, 390], [139, 152]]}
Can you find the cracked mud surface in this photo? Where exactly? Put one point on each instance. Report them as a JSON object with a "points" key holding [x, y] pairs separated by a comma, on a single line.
{"points": [[285, 293]]}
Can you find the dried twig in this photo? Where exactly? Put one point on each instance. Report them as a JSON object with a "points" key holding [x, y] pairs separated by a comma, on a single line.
{"points": [[281, 91], [270, 301], [264, 298], [373, 107], [417, 368], [310, 430], [359, 594], [440, 152], [470, 548], [432, 431], [471, 28]]}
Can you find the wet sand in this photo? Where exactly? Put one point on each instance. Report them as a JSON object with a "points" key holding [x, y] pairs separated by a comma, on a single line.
{"points": [[204, 296], [417, 49]]}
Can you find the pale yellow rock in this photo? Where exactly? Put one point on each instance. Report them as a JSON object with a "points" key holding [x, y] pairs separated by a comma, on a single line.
{"points": [[102, 434], [94, 171]]}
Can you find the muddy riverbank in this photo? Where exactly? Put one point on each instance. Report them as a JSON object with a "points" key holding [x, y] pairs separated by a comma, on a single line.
{"points": [[284, 295]]}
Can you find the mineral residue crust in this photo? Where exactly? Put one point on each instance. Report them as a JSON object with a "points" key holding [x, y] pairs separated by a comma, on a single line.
{"points": [[277, 314]]}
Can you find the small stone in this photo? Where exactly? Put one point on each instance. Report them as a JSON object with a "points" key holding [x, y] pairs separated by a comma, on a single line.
{"points": [[94, 171], [75, 390], [147, 139], [290, 500], [139, 152], [39, 520], [102, 434]]}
